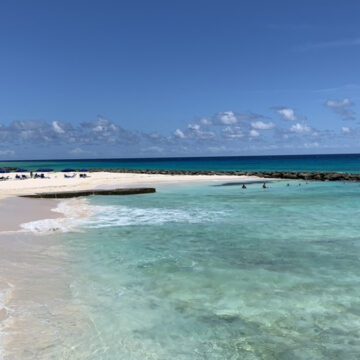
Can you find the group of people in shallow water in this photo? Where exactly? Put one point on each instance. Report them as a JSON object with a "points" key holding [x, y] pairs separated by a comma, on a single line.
{"points": [[263, 186]]}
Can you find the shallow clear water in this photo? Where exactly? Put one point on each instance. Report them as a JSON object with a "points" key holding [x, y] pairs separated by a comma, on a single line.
{"points": [[211, 272]]}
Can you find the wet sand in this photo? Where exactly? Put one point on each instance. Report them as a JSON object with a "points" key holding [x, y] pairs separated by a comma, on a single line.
{"points": [[15, 211], [36, 286]]}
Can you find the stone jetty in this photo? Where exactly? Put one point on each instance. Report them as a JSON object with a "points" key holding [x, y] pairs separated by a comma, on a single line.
{"points": [[72, 194], [291, 175]]}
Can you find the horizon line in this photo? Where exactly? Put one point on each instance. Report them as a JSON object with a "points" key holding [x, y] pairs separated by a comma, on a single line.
{"points": [[179, 157]]}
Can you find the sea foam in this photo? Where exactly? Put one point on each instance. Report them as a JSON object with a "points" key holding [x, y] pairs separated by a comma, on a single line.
{"points": [[79, 214], [112, 216], [74, 212]]}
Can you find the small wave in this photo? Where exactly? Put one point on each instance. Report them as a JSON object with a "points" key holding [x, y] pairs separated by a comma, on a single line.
{"points": [[79, 214], [74, 211], [109, 216]]}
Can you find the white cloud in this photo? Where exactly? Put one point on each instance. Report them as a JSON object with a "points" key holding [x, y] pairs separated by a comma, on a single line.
{"points": [[105, 131], [195, 132], [103, 137], [77, 151], [227, 118], [338, 103], [300, 128], [205, 121], [287, 113], [57, 128], [232, 132], [194, 127], [179, 134], [103, 125], [342, 107], [260, 125], [311, 145], [205, 135]]}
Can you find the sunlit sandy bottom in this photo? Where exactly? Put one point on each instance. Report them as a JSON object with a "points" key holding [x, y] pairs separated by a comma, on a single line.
{"points": [[193, 272]]}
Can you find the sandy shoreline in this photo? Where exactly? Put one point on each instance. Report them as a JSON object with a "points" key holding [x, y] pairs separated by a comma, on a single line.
{"points": [[28, 261], [57, 182], [34, 295], [15, 211]]}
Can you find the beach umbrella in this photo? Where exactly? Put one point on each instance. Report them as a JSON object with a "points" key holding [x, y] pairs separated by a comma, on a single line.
{"points": [[68, 170], [3, 171], [45, 170], [21, 170]]}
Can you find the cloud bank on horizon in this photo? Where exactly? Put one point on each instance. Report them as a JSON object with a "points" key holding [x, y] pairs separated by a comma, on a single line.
{"points": [[223, 133]]}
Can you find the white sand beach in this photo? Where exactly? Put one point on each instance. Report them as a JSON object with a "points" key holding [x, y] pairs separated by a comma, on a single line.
{"points": [[97, 180]]}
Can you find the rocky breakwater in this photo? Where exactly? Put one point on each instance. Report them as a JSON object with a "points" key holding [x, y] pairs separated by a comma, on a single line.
{"points": [[291, 175], [72, 194]]}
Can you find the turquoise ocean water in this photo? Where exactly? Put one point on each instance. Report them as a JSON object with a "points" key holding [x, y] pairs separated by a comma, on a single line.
{"points": [[210, 272], [218, 272]]}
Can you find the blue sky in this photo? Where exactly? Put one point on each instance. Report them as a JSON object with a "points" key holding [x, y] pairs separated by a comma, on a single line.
{"points": [[178, 78]]}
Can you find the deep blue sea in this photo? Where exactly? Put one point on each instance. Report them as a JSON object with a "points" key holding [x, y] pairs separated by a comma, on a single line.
{"points": [[338, 163]]}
